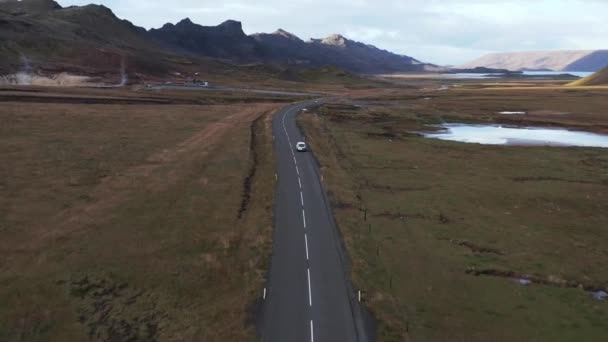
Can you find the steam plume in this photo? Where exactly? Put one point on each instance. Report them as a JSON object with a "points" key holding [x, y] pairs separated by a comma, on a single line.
{"points": [[24, 76], [124, 78]]}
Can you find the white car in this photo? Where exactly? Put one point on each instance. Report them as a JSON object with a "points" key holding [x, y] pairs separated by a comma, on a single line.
{"points": [[301, 146]]}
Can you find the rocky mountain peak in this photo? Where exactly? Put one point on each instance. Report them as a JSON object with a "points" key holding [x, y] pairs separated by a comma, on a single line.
{"points": [[185, 22], [335, 40], [285, 34], [232, 26]]}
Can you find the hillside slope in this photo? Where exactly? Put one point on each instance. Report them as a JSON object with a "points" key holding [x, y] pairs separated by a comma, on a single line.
{"points": [[564, 60], [88, 39], [599, 78], [18, 7]]}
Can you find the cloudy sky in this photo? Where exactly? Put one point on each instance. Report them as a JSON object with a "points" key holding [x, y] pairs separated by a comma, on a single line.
{"points": [[437, 31]]}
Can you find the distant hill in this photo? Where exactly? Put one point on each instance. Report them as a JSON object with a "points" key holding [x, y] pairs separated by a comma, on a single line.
{"points": [[565, 60], [599, 78]]}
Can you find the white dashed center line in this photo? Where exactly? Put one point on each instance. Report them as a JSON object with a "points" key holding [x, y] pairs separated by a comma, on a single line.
{"points": [[312, 332], [306, 243], [309, 291]]}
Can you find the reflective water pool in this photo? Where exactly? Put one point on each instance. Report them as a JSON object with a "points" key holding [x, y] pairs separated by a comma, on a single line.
{"points": [[504, 135]]}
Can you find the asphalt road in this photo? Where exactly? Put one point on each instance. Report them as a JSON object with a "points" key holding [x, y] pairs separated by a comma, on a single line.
{"points": [[230, 89], [309, 296]]}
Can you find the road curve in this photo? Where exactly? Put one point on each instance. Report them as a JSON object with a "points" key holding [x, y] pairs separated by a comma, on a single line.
{"points": [[309, 297]]}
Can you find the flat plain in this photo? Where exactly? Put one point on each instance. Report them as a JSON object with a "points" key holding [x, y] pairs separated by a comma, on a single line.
{"points": [[131, 215], [466, 242]]}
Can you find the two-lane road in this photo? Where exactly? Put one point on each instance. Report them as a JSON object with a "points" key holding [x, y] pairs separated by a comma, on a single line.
{"points": [[308, 297]]}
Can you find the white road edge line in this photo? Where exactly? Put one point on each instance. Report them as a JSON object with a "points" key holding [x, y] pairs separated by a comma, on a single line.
{"points": [[312, 332], [306, 242], [300, 182], [304, 217], [297, 170], [309, 291], [302, 198]]}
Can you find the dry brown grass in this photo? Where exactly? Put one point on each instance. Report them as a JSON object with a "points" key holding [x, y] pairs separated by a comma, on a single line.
{"points": [[121, 221], [583, 108], [447, 225]]}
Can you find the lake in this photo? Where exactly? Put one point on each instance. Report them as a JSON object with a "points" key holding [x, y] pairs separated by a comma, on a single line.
{"points": [[506, 135], [528, 73]]}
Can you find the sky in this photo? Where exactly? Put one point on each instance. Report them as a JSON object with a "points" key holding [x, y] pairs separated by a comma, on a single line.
{"points": [[444, 32]]}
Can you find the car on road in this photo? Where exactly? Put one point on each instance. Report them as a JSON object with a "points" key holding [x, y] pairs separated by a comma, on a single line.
{"points": [[301, 146]]}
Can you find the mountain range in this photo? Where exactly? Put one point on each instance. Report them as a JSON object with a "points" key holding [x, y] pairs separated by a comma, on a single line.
{"points": [[562, 60], [228, 41], [284, 47], [91, 39]]}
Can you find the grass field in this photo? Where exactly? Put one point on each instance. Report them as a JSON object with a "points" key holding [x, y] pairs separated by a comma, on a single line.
{"points": [[440, 233], [133, 220]]}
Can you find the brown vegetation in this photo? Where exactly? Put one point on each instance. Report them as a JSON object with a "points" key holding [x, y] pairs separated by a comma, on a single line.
{"points": [[502, 211], [118, 220]]}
